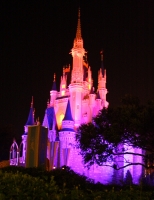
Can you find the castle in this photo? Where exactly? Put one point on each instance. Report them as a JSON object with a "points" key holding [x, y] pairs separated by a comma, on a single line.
{"points": [[77, 102]]}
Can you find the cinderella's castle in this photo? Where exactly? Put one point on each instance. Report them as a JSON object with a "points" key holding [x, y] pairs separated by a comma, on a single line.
{"points": [[77, 102]]}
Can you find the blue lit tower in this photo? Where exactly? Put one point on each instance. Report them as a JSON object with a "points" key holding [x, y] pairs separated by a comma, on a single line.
{"points": [[67, 137], [30, 122]]}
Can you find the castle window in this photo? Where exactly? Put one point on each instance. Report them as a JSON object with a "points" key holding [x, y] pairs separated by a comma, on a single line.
{"points": [[63, 93]]}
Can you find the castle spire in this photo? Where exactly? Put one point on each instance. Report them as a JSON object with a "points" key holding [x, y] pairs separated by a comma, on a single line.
{"points": [[30, 120], [68, 114], [32, 102], [77, 53], [54, 83], [78, 32], [102, 63], [68, 122]]}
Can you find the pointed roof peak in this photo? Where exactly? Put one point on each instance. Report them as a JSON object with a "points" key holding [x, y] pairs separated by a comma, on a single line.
{"points": [[54, 83], [54, 77], [32, 102], [78, 32], [68, 114], [30, 120], [102, 54]]}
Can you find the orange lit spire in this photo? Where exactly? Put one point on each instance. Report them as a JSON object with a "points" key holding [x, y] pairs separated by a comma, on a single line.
{"points": [[78, 32], [77, 53]]}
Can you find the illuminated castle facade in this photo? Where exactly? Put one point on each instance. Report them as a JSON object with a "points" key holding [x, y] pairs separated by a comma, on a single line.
{"points": [[67, 109]]}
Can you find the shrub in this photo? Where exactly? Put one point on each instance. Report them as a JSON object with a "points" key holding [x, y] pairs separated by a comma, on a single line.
{"points": [[23, 186]]}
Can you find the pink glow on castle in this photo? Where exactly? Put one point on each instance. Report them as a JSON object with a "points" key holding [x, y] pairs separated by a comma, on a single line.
{"points": [[74, 104]]}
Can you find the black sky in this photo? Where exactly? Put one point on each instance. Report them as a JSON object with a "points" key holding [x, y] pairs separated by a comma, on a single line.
{"points": [[37, 37]]}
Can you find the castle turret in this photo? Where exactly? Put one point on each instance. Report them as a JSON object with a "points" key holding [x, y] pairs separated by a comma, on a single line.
{"points": [[68, 122], [67, 136], [63, 83], [90, 81], [53, 92], [92, 97], [53, 141], [102, 82], [30, 122], [98, 103]]}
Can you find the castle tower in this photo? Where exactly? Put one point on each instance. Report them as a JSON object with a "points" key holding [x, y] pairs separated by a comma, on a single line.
{"points": [[53, 92], [76, 86], [92, 97], [98, 103], [30, 122], [63, 84], [67, 137], [102, 82]]}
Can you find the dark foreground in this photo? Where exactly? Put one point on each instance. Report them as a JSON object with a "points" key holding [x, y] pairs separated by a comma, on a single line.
{"points": [[62, 184]]}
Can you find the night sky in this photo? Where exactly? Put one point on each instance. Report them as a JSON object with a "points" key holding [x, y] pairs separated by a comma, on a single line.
{"points": [[37, 38]]}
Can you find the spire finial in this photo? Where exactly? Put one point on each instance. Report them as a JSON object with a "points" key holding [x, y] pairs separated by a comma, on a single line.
{"points": [[54, 77], [102, 52], [32, 102], [79, 13], [78, 32], [63, 70]]}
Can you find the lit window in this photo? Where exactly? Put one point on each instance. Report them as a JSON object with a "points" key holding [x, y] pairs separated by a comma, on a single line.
{"points": [[63, 93]]}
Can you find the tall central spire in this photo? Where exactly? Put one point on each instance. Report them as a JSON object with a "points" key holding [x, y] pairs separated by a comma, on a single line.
{"points": [[78, 32], [77, 53]]}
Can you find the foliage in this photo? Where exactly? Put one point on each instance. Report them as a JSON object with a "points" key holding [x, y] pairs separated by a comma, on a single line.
{"points": [[16, 185], [62, 176], [115, 132], [23, 186], [128, 179]]}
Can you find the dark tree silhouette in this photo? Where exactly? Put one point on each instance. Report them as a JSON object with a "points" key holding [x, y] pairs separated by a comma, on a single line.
{"points": [[115, 132]]}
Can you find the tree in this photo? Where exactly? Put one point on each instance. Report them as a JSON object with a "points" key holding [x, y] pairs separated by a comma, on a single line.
{"points": [[128, 180], [116, 132]]}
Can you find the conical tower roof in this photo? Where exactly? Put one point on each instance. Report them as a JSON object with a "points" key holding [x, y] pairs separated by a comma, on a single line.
{"points": [[78, 32], [51, 117], [30, 120], [68, 113]]}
